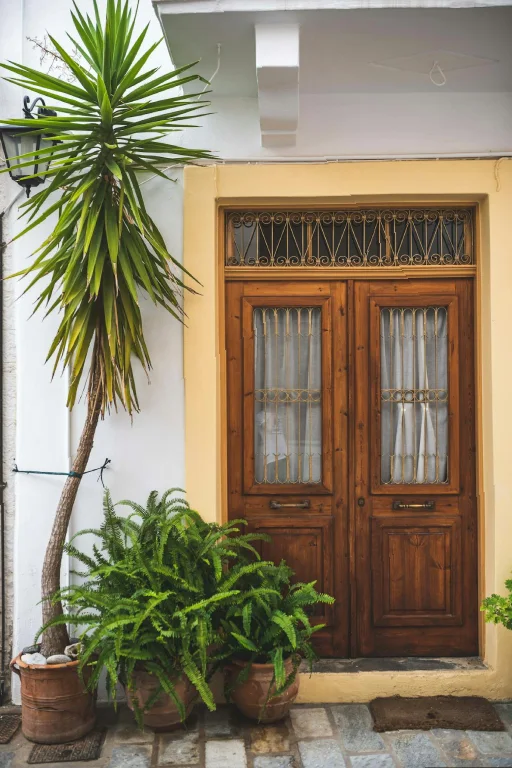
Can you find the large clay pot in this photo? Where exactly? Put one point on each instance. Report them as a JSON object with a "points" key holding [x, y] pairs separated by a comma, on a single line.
{"points": [[55, 705], [164, 713], [250, 696]]}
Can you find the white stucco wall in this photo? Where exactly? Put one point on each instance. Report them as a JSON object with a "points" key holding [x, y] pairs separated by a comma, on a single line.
{"points": [[8, 193], [40, 434], [347, 126]]}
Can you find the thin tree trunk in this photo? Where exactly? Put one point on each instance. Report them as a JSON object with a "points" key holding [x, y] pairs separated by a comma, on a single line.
{"points": [[56, 638]]}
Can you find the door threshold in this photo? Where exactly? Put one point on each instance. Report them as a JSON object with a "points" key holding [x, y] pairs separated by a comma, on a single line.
{"points": [[398, 664]]}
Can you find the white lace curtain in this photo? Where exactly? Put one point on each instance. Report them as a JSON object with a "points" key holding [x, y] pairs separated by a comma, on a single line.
{"points": [[414, 395], [287, 410]]}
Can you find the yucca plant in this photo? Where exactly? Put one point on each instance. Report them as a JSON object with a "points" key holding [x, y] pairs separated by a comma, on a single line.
{"points": [[105, 250], [269, 624], [153, 593]]}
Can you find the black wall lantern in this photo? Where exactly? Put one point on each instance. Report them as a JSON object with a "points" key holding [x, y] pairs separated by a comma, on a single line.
{"points": [[18, 140]]}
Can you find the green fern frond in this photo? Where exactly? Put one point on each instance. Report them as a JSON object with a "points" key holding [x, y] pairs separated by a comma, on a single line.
{"points": [[279, 671], [246, 617], [286, 624]]}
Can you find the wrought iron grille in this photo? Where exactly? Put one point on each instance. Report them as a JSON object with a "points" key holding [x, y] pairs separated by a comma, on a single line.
{"points": [[288, 395], [414, 395], [350, 238]]}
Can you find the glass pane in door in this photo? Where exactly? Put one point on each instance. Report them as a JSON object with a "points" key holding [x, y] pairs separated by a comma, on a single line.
{"points": [[287, 397], [414, 395]]}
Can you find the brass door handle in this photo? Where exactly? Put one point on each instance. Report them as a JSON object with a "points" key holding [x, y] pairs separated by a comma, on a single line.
{"points": [[425, 505], [295, 504]]}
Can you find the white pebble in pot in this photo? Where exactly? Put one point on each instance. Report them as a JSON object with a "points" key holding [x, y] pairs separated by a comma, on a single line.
{"points": [[59, 658], [34, 658]]}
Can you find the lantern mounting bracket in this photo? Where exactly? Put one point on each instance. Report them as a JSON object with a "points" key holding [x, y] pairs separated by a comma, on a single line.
{"points": [[28, 108]]}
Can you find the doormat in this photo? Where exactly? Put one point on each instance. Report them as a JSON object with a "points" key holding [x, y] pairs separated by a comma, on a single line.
{"points": [[9, 724], [88, 748], [460, 712]]}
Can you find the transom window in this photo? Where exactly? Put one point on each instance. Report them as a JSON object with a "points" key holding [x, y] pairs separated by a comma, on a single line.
{"points": [[368, 237]]}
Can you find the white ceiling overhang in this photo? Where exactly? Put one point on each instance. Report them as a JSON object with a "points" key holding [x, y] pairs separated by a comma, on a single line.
{"points": [[222, 6], [277, 51]]}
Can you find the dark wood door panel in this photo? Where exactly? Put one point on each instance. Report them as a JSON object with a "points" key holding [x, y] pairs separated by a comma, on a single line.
{"points": [[414, 542], [272, 327], [416, 572], [308, 548], [306, 545]]}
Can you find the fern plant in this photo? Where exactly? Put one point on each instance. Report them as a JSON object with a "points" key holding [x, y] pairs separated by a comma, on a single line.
{"points": [[153, 592], [498, 609], [268, 623]]}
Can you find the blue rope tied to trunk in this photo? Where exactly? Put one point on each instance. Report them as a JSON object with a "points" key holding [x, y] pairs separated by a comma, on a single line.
{"points": [[66, 474]]}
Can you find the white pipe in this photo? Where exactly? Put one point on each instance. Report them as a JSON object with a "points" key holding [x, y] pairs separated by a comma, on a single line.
{"points": [[354, 159], [69, 461], [365, 158]]}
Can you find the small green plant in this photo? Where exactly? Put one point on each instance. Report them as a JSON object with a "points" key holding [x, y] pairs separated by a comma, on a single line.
{"points": [[268, 623], [498, 609], [153, 593]]}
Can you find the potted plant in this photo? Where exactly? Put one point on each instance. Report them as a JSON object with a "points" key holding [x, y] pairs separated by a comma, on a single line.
{"points": [[267, 633], [105, 250], [498, 609], [151, 601]]}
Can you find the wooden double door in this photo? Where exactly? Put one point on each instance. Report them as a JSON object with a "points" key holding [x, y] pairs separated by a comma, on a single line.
{"points": [[351, 441]]}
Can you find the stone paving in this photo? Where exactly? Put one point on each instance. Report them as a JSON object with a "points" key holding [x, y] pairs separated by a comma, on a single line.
{"points": [[315, 736]]}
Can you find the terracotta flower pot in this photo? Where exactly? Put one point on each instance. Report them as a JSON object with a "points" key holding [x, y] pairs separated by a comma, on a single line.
{"points": [[250, 696], [164, 713], [55, 705]]}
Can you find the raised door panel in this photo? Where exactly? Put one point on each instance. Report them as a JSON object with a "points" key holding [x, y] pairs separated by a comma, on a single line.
{"points": [[307, 548], [416, 572]]}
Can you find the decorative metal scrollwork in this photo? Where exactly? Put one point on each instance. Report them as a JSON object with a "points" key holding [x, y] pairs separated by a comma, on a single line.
{"points": [[350, 238]]}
